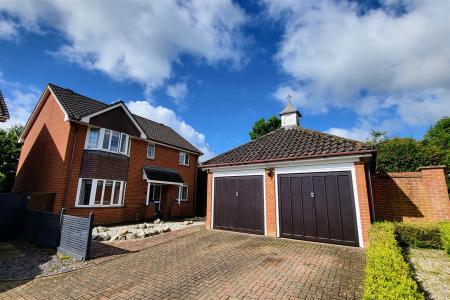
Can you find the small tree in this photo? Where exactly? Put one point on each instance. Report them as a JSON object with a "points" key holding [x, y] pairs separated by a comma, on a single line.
{"points": [[9, 156], [262, 127]]}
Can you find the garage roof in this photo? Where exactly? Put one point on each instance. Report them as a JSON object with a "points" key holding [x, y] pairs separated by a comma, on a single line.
{"points": [[289, 143]]}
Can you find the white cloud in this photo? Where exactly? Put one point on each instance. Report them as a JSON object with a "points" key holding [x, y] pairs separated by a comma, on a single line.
{"points": [[177, 93], [354, 133], [169, 118], [8, 30], [384, 64], [20, 100], [136, 40]]}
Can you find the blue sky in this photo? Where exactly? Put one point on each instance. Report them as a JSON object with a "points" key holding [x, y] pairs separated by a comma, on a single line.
{"points": [[209, 69]]}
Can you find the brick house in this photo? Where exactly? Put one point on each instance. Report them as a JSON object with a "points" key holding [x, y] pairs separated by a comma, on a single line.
{"points": [[4, 114], [293, 183], [100, 158]]}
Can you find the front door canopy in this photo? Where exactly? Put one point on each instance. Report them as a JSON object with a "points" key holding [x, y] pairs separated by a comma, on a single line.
{"points": [[162, 176]]}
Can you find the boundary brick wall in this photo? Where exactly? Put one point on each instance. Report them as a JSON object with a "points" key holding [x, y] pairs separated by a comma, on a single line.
{"points": [[412, 196]]}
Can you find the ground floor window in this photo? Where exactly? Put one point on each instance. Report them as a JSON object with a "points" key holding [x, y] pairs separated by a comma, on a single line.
{"points": [[182, 193], [100, 192], [153, 193]]}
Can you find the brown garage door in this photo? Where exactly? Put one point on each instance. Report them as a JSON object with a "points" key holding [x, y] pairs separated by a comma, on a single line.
{"points": [[239, 204], [318, 207]]}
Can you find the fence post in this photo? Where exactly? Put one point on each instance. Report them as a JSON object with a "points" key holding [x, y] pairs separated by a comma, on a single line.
{"points": [[88, 246], [61, 217]]}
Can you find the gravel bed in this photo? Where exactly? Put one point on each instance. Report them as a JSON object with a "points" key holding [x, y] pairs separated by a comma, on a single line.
{"points": [[432, 269], [141, 230], [36, 261]]}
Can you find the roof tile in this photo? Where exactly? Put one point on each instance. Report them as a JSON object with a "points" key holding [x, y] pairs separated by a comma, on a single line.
{"points": [[78, 106], [289, 143]]}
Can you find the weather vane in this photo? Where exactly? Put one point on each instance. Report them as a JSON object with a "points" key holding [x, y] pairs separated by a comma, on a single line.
{"points": [[289, 98]]}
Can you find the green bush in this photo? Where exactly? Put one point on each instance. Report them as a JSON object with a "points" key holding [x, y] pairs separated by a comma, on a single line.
{"points": [[445, 236], [388, 276], [419, 235]]}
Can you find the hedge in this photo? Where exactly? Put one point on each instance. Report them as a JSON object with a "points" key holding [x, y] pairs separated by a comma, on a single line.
{"points": [[419, 235], [445, 236], [388, 276]]}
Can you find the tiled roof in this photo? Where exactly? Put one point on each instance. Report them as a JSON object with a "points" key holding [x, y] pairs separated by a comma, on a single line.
{"points": [[289, 143], [78, 106], [4, 114]]}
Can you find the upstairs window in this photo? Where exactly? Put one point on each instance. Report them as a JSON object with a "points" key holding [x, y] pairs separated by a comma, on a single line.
{"points": [[151, 151], [184, 158], [93, 138], [107, 140]]}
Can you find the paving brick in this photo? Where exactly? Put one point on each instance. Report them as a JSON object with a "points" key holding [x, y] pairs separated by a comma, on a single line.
{"points": [[210, 264]]}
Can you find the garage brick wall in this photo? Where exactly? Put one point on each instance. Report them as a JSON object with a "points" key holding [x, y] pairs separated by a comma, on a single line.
{"points": [[209, 201], [271, 211], [412, 196], [363, 197]]}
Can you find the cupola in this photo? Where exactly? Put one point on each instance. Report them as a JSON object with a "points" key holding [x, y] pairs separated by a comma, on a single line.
{"points": [[290, 115]]}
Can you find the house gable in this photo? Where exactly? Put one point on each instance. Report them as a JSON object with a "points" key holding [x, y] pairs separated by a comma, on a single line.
{"points": [[115, 119]]}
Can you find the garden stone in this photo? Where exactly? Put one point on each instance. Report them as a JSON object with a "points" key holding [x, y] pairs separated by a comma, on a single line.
{"points": [[149, 225], [142, 226], [136, 226], [167, 229], [106, 237], [140, 234], [157, 221], [131, 236]]}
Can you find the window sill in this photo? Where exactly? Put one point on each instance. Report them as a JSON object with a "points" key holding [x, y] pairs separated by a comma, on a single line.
{"points": [[106, 151], [183, 165], [99, 206], [150, 158]]}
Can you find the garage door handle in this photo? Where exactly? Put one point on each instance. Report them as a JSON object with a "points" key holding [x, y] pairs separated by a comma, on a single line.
{"points": [[312, 195], [237, 194]]}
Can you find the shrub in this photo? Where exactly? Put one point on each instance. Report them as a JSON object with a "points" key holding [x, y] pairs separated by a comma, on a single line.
{"points": [[419, 235], [445, 236], [388, 276]]}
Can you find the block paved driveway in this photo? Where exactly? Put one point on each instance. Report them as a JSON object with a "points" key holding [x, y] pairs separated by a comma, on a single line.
{"points": [[210, 265]]}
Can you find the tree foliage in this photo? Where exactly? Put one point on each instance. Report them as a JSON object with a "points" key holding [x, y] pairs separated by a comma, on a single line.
{"points": [[262, 127], [406, 154], [9, 156]]}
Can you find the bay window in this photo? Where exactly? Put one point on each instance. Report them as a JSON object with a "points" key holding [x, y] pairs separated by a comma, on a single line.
{"points": [[107, 140], [100, 192]]}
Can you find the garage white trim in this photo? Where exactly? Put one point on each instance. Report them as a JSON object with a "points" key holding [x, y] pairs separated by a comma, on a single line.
{"points": [[231, 173], [300, 168]]}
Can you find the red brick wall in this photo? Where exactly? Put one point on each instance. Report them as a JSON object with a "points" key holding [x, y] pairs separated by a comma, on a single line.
{"points": [[136, 189], [363, 197], [209, 201], [412, 196], [271, 211], [45, 148]]}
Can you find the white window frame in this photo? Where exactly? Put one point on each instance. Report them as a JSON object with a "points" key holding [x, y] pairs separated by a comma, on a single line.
{"points": [[102, 200], [179, 199], [186, 154], [101, 138], [147, 201], [154, 150]]}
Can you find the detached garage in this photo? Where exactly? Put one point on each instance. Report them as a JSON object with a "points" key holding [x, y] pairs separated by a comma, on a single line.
{"points": [[293, 183]]}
